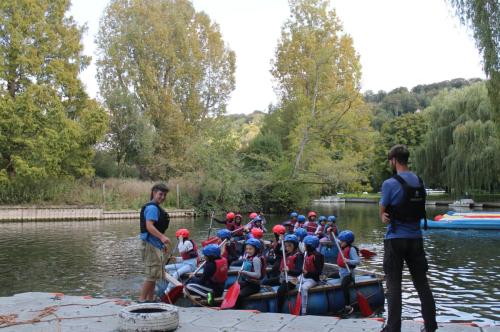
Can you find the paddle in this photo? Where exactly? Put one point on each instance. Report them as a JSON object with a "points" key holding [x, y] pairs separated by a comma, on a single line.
{"points": [[214, 239], [233, 292], [364, 306], [176, 292], [366, 253], [285, 267], [298, 299]]}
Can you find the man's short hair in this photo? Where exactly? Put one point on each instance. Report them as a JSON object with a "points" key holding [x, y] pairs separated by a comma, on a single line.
{"points": [[160, 187], [400, 152]]}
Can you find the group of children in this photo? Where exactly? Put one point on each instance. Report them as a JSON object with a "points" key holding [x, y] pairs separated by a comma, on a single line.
{"points": [[293, 255]]}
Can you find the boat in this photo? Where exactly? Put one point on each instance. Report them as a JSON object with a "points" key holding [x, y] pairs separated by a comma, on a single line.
{"points": [[325, 299], [466, 220]]}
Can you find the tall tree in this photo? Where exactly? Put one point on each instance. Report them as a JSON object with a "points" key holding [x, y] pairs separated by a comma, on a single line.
{"points": [[48, 125], [461, 150], [322, 115], [483, 17], [169, 63]]}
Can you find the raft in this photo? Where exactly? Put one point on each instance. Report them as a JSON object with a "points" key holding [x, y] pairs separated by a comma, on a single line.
{"points": [[466, 220], [325, 299]]}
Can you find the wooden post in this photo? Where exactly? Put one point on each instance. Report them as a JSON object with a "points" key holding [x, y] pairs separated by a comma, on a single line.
{"points": [[103, 195], [178, 195]]}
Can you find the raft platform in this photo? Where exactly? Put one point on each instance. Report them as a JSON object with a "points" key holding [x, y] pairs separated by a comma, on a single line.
{"points": [[47, 312]]}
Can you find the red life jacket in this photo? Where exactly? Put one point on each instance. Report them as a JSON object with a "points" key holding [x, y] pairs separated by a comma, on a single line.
{"points": [[263, 266], [230, 225], [193, 253], [221, 267], [240, 232], [311, 227], [309, 263], [290, 261], [345, 251]]}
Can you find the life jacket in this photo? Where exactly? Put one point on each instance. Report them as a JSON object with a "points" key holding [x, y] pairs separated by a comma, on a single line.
{"points": [[230, 225], [263, 266], [412, 208], [239, 232], [290, 261], [163, 219], [193, 253], [345, 252], [311, 227], [221, 267], [309, 263]]}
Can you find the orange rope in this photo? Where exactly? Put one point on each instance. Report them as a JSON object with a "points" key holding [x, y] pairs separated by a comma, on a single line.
{"points": [[10, 320]]}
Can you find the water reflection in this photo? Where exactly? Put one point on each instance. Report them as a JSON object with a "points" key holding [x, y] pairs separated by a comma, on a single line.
{"points": [[101, 258]]}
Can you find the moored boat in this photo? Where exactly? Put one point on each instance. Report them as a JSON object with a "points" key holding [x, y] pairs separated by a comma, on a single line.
{"points": [[466, 220]]}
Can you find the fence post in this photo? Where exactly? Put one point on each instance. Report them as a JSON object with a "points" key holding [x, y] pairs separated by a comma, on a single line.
{"points": [[178, 195], [103, 195]]}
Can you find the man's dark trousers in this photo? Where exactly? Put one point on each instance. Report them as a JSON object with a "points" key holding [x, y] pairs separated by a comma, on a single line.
{"points": [[411, 251]]}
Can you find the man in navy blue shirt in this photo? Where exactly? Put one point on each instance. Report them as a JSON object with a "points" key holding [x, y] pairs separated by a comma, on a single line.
{"points": [[402, 206]]}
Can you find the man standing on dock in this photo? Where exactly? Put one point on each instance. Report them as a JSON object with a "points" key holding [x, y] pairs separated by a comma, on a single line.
{"points": [[154, 223], [402, 206]]}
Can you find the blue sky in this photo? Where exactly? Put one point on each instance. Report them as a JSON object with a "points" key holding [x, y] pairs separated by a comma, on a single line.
{"points": [[401, 43]]}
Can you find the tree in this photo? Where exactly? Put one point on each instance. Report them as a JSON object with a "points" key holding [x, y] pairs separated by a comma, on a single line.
{"points": [[166, 62], [48, 125], [483, 17], [321, 116], [461, 149]]}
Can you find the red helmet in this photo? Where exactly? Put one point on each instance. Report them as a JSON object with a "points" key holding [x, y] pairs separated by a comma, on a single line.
{"points": [[182, 232], [257, 233], [230, 216], [279, 229], [311, 214], [252, 215]]}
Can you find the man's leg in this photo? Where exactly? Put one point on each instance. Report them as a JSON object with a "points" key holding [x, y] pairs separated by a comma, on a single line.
{"points": [[418, 266], [393, 268]]}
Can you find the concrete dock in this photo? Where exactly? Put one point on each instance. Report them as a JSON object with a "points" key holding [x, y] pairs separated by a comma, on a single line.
{"points": [[46, 312]]}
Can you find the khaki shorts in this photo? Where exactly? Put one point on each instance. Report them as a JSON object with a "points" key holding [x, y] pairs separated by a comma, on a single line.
{"points": [[154, 261]]}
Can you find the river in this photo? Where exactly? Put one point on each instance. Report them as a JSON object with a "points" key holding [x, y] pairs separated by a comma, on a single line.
{"points": [[101, 258]]}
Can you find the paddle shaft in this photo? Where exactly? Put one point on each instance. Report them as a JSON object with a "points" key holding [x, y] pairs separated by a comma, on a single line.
{"points": [[285, 268], [211, 223]]}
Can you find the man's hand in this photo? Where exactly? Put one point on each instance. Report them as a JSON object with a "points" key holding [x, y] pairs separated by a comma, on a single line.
{"points": [[165, 240], [385, 218]]}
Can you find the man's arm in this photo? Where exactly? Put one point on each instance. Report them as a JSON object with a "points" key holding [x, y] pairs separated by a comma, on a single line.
{"points": [[385, 201], [384, 216]]}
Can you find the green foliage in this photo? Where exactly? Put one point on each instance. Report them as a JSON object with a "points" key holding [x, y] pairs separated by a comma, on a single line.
{"points": [[48, 125], [483, 17], [461, 150], [165, 61]]}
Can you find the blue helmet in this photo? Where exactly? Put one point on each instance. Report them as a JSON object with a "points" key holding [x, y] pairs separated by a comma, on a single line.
{"points": [[321, 218], [311, 240], [294, 215], [254, 242], [332, 218], [301, 218], [346, 236], [292, 238], [224, 234], [301, 233], [211, 250], [258, 218]]}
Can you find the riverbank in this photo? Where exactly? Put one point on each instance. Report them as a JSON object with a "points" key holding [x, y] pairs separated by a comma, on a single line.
{"points": [[59, 312], [375, 200], [74, 213]]}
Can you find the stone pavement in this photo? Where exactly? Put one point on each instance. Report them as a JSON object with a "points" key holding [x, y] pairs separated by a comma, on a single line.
{"points": [[76, 313]]}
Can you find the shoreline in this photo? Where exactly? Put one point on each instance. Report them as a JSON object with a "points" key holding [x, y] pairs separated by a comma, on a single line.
{"points": [[489, 205], [56, 311], [76, 213]]}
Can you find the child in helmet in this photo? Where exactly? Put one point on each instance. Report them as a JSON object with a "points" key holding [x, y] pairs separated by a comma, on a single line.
{"points": [[311, 224], [321, 229], [253, 270], [292, 264], [293, 218], [301, 219], [331, 226], [229, 221], [288, 226], [189, 257], [274, 256], [255, 223], [228, 251], [301, 233], [348, 255], [238, 229], [313, 267], [211, 283]]}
